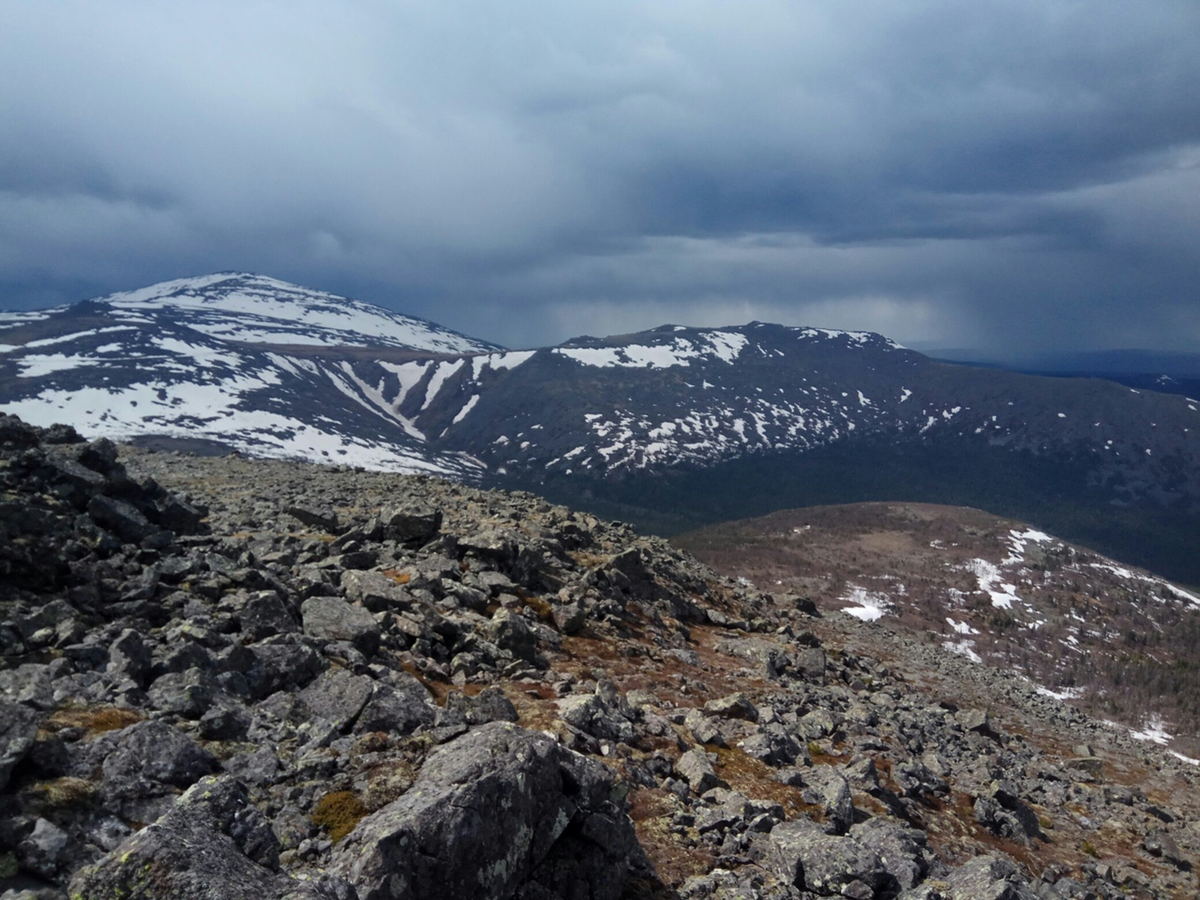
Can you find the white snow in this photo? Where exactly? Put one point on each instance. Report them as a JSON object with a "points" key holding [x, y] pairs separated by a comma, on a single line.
{"points": [[257, 309], [679, 352], [462, 413], [44, 364], [1064, 694], [871, 606], [1154, 730], [963, 648], [441, 372], [989, 577]]}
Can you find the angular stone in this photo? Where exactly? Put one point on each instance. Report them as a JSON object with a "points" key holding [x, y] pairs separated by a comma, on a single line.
{"points": [[212, 844], [510, 632], [123, 519], [397, 708], [500, 812], [735, 706], [338, 697], [374, 590], [411, 522], [827, 788], [694, 768], [18, 732], [278, 662], [263, 614], [151, 757], [333, 619], [805, 856]]}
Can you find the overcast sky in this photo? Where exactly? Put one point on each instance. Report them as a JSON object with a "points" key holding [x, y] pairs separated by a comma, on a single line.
{"points": [[1004, 175]]}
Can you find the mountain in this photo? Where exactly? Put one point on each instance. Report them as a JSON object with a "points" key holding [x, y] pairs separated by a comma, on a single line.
{"points": [[246, 361], [670, 428], [228, 677], [1121, 643]]}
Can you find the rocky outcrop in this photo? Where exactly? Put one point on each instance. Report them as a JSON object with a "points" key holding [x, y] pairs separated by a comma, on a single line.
{"points": [[418, 689]]}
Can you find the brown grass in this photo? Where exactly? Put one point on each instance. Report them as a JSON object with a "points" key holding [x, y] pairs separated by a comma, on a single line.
{"points": [[94, 721], [338, 813]]}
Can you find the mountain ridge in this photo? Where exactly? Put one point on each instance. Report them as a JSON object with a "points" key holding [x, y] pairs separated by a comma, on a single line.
{"points": [[599, 418]]}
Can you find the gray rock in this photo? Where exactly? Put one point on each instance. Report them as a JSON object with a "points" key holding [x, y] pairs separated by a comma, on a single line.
{"points": [[695, 768], [333, 619], [375, 591], [40, 852], [338, 696], [322, 520], [901, 849], [510, 632], [497, 813], [411, 522], [212, 845], [827, 788], [280, 662], [735, 706], [123, 519], [188, 694], [28, 684], [988, 877], [18, 731], [603, 714], [397, 708], [810, 663], [263, 614], [129, 657], [805, 856], [151, 758]]}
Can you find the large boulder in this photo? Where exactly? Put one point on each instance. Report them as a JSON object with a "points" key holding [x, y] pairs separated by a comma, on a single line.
{"points": [[496, 812]]}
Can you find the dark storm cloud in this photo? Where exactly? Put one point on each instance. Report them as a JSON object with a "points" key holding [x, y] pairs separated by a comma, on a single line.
{"points": [[1004, 174]]}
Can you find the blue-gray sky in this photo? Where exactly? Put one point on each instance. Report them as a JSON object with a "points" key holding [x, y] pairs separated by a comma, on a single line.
{"points": [[1010, 175]]}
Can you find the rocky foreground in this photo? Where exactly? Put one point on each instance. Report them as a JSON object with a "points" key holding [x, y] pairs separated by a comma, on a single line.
{"points": [[224, 678]]}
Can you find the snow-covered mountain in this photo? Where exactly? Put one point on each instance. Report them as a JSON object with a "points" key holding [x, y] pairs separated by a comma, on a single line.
{"points": [[273, 369], [252, 362]]}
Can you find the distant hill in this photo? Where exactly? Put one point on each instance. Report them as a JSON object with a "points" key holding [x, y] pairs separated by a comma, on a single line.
{"points": [[1117, 641]]}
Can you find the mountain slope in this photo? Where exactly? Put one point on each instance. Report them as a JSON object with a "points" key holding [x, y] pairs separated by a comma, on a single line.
{"points": [[1118, 642]]}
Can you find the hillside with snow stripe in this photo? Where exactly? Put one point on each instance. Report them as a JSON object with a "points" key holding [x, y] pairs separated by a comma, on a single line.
{"points": [[1118, 641]]}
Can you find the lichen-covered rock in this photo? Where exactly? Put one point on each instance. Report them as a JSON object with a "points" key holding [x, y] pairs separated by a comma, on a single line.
{"points": [[498, 811], [802, 854], [212, 845], [152, 758], [333, 619]]}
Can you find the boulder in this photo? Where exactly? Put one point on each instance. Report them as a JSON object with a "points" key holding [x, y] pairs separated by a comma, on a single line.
{"points": [[497, 813], [152, 758], [411, 522], [333, 619], [212, 845], [18, 731], [803, 855]]}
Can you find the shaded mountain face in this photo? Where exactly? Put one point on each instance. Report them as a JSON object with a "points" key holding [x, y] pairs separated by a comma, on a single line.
{"points": [[668, 428], [1117, 641]]}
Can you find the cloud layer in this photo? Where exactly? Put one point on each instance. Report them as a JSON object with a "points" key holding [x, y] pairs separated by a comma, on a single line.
{"points": [[1006, 175]]}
